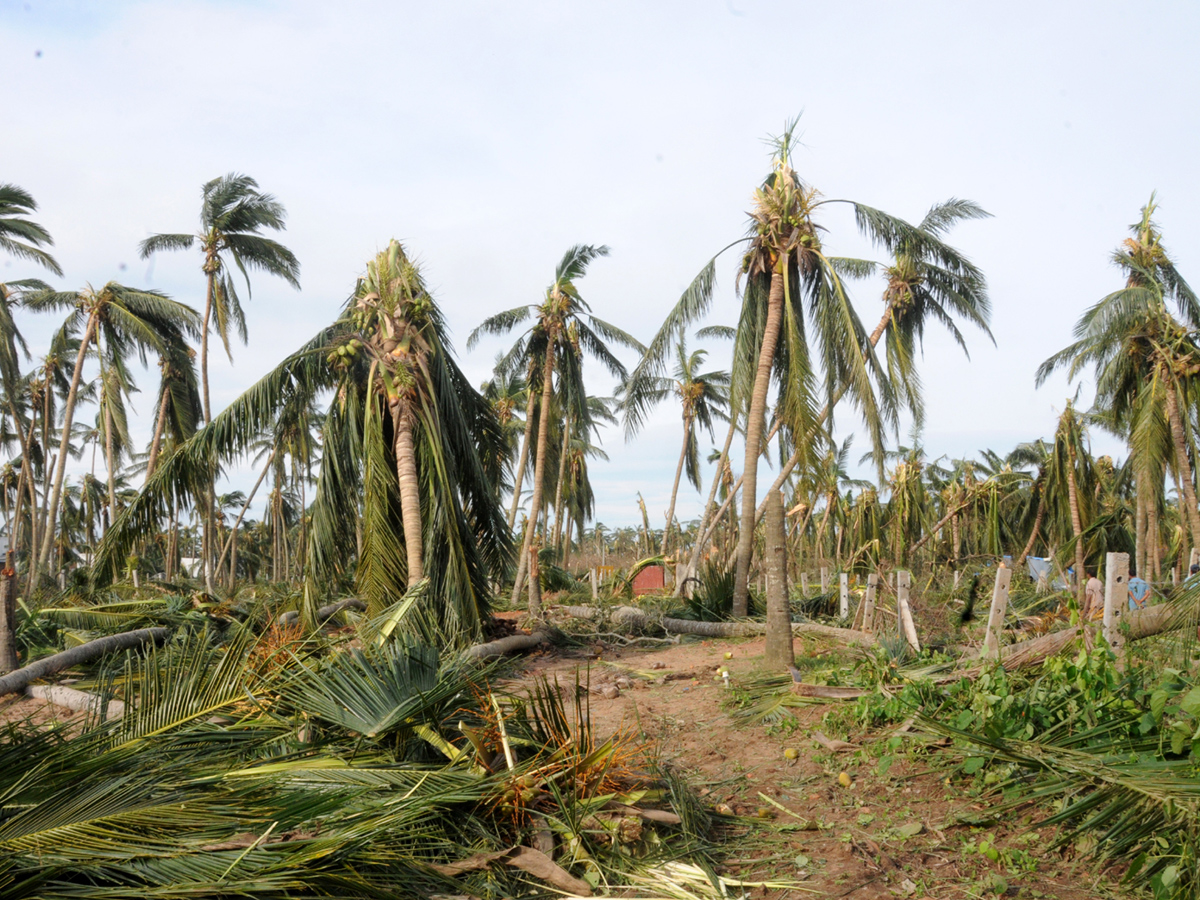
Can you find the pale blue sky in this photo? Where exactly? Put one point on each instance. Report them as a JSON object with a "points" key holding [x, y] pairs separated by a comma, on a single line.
{"points": [[490, 137]]}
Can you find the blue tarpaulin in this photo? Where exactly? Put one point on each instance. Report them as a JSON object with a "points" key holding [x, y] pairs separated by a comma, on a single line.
{"points": [[1040, 568]]}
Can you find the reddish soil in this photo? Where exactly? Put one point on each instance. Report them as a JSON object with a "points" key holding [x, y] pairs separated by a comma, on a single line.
{"points": [[831, 840]]}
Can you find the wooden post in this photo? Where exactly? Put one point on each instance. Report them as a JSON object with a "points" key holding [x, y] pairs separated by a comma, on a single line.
{"points": [[995, 623], [824, 579], [844, 595], [1116, 600], [779, 652], [907, 627], [868, 622], [804, 584]]}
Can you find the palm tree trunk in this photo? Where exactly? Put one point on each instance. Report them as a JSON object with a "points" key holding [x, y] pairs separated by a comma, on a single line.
{"points": [[210, 265], [1038, 518], [159, 427], [819, 540], [172, 541], [1139, 523], [210, 535], [566, 549], [704, 531], [800, 445], [26, 476], [1154, 533], [539, 474], [687, 433], [558, 489], [410, 493], [1181, 461], [1077, 530], [65, 444], [754, 433], [955, 539], [232, 540], [519, 477], [109, 460]]}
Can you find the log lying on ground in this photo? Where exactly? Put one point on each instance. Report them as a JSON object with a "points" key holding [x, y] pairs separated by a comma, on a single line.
{"points": [[77, 656], [69, 698], [506, 645], [633, 618], [325, 613], [1142, 623]]}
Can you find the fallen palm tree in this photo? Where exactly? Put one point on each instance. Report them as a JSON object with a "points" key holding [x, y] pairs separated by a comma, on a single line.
{"points": [[78, 656], [1142, 623], [636, 619]]}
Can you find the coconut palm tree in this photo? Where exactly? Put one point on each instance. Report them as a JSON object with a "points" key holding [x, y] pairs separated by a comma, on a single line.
{"points": [[703, 397], [794, 290], [124, 319], [233, 215], [1146, 360], [19, 236], [1071, 479], [386, 367], [25, 239], [179, 401], [563, 328]]}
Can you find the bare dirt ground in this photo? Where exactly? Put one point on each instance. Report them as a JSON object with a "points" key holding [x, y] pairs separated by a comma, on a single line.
{"points": [[896, 831]]}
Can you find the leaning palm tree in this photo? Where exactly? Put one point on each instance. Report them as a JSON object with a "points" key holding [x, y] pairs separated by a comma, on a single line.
{"points": [[792, 290], [392, 384], [125, 319], [1140, 340], [703, 396], [233, 214], [563, 327], [24, 239]]}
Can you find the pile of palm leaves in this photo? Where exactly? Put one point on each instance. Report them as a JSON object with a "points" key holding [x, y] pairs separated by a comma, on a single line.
{"points": [[275, 767]]}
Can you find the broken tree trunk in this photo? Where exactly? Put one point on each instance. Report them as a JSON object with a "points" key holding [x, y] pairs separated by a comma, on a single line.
{"points": [[507, 645], [635, 619], [325, 613], [8, 615], [1142, 623], [77, 656]]}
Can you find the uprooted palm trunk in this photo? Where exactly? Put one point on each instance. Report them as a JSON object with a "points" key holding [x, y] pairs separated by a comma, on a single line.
{"points": [[506, 645], [1142, 623], [636, 620], [77, 656]]}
